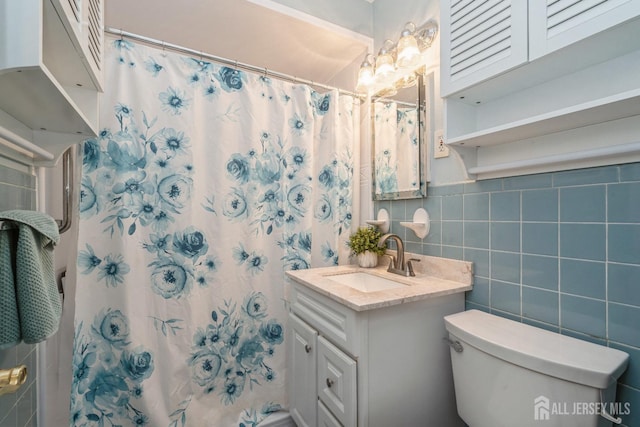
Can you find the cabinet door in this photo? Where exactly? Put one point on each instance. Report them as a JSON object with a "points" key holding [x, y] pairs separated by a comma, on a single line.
{"points": [[303, 393], [325, 418], [554, 24], [481, 39], [337, 382]]}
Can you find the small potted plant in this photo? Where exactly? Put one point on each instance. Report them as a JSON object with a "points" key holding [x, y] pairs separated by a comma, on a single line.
{"points": [[364, 245]]}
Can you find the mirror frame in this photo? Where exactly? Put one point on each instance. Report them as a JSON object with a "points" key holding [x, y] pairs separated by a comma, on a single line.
{"points": [[423, 121]]}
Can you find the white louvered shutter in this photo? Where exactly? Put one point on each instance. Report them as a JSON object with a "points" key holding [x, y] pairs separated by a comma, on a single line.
{"points": [[555, 24], [481, 39]]}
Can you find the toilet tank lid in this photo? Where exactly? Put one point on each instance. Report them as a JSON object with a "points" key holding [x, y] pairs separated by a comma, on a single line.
{"points": [[539, 350]]}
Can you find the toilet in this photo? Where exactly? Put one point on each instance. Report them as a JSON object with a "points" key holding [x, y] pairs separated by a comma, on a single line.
{"points": [[510, 374]]}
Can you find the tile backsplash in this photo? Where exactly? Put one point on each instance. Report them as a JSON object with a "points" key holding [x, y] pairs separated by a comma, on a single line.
{"points": [[560, 251], [18, 191]]}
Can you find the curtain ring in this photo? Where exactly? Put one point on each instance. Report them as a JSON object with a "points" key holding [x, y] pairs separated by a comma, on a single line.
{"points": [[121, 35], [236, 65], [265, 72]]}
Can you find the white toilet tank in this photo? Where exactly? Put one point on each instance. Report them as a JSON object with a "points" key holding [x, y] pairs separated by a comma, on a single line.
{"points": [[509, 374]]}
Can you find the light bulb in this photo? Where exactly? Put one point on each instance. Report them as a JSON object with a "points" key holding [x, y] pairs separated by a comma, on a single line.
{"points": [[384, 65], [408, 52], [365, 76]]}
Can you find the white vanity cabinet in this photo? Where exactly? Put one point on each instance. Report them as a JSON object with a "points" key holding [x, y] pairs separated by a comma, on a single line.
{"points": [[380, 367], [519, 77]]}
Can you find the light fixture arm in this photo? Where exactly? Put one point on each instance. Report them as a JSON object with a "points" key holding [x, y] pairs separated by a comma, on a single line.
{"points": [[398, 62], [426, 34]]}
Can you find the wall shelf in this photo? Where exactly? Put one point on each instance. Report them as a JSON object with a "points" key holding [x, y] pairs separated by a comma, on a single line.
{"points": [[49, 89], [602, 110]]}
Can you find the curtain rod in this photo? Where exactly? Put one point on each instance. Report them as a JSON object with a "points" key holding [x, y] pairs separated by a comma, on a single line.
{"points": [[224, 61]]}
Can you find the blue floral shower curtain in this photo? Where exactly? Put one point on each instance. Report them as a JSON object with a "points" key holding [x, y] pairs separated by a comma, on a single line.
{"points": [[204, 186]]}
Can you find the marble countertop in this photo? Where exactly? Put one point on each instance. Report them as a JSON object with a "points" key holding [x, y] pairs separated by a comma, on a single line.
{"points": [[435, 277]]}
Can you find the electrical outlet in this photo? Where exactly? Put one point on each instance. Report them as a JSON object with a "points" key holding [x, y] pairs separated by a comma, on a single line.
{"points": [[440, 149]]}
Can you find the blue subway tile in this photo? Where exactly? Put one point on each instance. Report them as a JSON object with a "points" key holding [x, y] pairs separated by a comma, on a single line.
{"points": [[452, 252], [452, 207], [398, 229], [446, 190], [505, 206], [432, 250], [468, 305], [624, 202], [480, 259], [624, 243], [484, 186], [505, 266], [600, 175], [505, 297], [476, 207], [507, 315], [630, 172], [540, 205], [541, 325], [435, 233], [527, 182], [540, 305], [583, 204], [630, 399], [540, 238], [413, 247], [399, 210], [583, 315], [584, 278], [540, 271], [433, 206], [412, 206], [623, 324], [17, 178], [505, 236], [631, 376], [583, 241], [476, 234], [584, 337], [452, 233], [624, 284], [480, 292]]}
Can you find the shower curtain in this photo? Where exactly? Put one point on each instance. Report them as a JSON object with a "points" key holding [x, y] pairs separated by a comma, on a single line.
{"points": [[205, 184], [396, 143]]}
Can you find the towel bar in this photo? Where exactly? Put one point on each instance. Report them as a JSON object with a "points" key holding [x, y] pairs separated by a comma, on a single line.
{"points": [[67, 190]]}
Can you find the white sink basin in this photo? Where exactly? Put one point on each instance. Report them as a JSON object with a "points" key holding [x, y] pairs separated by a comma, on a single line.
{"points": [[365, 282]]}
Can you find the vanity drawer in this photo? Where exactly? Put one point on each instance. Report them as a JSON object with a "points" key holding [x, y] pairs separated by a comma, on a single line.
{"points": [[333, 320], [326, 418], [337, 381]]}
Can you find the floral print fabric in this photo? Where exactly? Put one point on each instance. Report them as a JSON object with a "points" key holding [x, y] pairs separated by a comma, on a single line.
{"points": [[205, 184]]}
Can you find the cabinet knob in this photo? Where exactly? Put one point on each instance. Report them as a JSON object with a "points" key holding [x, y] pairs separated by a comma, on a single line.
{"points": [[329, 382], [307, 348]]}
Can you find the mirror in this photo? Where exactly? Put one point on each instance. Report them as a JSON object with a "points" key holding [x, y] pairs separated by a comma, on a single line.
{"points": [[399, 147]]}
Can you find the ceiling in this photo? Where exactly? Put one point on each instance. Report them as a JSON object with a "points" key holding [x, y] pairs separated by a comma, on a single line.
{"points": [[290, 43]]}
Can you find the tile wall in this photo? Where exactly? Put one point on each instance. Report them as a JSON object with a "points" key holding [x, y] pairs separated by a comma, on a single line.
{"points": [[17, 191], [560, 251]]}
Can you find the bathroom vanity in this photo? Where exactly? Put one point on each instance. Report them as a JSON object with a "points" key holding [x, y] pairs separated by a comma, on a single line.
{"points": [[366, 348]]}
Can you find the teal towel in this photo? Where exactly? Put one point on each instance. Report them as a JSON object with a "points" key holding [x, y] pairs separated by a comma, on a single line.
{"points": [[29, 299]]}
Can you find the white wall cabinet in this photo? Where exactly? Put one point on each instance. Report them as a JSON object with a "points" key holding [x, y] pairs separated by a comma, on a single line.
{"points": [[519, 80], [51, 70], [376, 368]]}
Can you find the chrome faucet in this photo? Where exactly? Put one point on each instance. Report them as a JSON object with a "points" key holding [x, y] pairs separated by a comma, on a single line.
{"points": [[397, 264]]}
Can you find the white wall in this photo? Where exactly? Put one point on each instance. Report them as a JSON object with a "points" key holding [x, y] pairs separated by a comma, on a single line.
{"points": [[355, 15], [389, 18]]}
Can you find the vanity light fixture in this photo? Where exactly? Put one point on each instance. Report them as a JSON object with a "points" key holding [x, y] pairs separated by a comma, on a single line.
{"points": [[396, 63]]}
